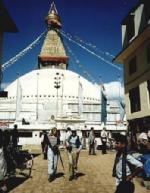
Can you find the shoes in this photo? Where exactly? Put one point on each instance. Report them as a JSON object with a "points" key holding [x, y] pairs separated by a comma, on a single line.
{"points": [[45, 157], [51, 178], [71, 178], [75, 177]]}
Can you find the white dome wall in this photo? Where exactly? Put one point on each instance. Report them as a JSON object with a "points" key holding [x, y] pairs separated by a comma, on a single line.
{"points": [[47, 94], [46, 84]]}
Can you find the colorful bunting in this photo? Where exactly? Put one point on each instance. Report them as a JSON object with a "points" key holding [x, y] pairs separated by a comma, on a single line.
{"points": [[23, 52]]}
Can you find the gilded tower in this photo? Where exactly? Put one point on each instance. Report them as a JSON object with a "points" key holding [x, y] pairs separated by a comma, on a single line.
{"points": [[53, 54]]}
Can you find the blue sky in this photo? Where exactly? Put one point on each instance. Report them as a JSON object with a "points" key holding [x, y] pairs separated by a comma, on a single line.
{"points": [[93, 21]]}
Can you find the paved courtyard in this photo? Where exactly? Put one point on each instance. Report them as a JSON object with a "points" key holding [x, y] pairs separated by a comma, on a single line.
{"points": [[94, 176]]}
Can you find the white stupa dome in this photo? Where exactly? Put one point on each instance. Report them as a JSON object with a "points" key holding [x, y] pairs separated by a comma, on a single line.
{"points": [[45, 78], [73, 91]]}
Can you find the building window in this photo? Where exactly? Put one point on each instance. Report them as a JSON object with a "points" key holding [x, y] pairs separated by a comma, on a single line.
{"points": [[134, 95], [25, 134], [132, 66], [130, 27], [148, 53]]}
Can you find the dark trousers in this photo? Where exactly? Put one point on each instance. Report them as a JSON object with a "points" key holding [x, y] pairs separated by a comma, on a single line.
{"points": [[44, 150], [126, 187], [92, 149], [104, 147]]}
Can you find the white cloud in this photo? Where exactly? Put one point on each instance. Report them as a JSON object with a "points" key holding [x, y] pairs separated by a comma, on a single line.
{"points": [[114, 90]]}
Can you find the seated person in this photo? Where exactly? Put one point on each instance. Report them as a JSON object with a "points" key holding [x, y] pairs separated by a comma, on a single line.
{"points": [[24, 122]]}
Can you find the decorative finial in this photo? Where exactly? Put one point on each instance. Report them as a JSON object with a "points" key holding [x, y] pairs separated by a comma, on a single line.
{"points": [[53, 19], [53, 8]]}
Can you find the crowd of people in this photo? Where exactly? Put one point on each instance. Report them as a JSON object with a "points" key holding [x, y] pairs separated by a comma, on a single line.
{"points": [[50, 144], [74, 144]]}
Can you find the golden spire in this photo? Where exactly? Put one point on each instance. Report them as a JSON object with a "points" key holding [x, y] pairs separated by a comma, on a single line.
{"points": [[53, 19], [53, 53]]}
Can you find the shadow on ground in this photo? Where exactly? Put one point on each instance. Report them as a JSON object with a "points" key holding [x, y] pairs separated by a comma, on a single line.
{"points": [[35, 154], [79, 174], [14, 182], [59, 175]]}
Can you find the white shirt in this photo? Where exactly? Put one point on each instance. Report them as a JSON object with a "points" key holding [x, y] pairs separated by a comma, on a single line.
{"points": [[103, 133], [42, 138], [129, 159], [68, 133]]}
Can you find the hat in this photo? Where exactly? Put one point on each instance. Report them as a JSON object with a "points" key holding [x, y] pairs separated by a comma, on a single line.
{"points": [[143, 136]]}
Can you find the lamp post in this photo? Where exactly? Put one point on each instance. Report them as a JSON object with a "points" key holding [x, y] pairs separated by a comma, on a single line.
{"points": [[57, 86]]}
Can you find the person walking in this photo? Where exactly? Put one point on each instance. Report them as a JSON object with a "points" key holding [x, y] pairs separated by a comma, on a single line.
{"points": [[91, 142], [104, 136], [52, 142], [123, 166], [67, 135], [74, 146], [14, 137], [43, 144]]}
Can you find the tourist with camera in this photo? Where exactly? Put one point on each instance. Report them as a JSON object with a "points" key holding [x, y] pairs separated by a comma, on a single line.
{"points": [[73, 146], [52, 142]]}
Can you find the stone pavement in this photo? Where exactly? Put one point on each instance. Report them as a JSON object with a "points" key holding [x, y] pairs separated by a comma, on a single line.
{"points": [[94, 177]]}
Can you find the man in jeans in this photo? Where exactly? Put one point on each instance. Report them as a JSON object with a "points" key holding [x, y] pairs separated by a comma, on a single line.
{"points": [[52, 142], [74, 146], [122, 166]]}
